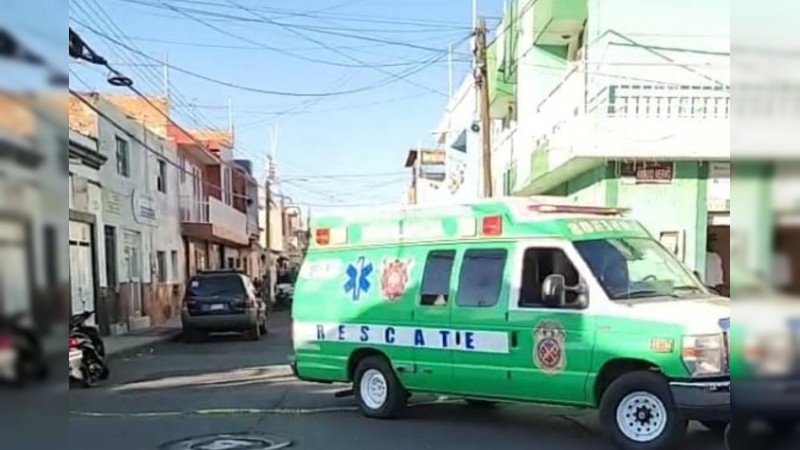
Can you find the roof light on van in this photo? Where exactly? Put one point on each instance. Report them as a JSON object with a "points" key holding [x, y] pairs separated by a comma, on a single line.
{"points": [[331, 236], [574, 209], [492, 226]]}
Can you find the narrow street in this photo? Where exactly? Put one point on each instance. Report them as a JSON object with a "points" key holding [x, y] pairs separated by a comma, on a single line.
{"points": [[228, 385]]}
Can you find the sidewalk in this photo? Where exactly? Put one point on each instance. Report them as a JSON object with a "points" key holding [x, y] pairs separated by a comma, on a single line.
{"points": [[124, 344]]}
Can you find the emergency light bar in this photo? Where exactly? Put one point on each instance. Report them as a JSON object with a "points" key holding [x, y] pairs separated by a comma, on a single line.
{"points": [[331, 236], [573, 209]]}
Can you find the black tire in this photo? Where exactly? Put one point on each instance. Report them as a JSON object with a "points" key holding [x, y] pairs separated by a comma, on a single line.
{"points": [[649, 383], [396, 395], [716, 427]]}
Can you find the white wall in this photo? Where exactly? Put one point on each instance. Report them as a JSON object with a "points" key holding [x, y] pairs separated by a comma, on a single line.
{"points": [[125, 196]]}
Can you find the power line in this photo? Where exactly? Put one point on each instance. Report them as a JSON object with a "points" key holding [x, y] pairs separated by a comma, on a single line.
{"points": [[233, 166], [377, 85], [201, 44], [334, 49], [338, 17], [198, 119], [188, 12], [343, 176]]}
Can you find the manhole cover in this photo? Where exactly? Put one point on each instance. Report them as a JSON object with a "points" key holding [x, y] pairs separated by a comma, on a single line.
{"points": [[234, 441]]}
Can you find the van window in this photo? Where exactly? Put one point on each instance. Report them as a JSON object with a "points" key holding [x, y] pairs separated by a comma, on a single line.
{"points": [[436, 279], [540, 263], [481, 278]]}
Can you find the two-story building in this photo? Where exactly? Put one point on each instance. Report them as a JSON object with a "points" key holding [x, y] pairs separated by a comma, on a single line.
{"points": [[137, 231], [609, 103]]}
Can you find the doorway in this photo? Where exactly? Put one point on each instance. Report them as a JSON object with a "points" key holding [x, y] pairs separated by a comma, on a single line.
{"points": [[81, 269], [719, 242]]}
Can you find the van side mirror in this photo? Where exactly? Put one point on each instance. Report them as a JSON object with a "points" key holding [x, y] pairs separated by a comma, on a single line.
{"points": [[554, 291]]}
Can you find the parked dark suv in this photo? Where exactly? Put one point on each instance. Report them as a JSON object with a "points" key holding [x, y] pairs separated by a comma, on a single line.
{"points": [[221, 301]]}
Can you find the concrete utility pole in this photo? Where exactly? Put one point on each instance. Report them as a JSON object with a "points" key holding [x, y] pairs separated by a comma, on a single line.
{"points": [[482, 84]]}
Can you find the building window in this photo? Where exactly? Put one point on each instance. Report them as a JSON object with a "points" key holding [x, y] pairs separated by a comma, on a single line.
{"points": [[123, 158], [161, 180], [161, 266], [481, 278], [176, 270], [183, 169], [435, 289]]}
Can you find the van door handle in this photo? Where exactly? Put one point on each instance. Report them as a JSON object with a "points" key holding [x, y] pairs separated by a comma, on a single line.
{"points": [[514, 339]]}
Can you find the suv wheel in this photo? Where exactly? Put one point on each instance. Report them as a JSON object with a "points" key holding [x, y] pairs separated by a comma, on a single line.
{"points": [[639, 413], [379, 393]]}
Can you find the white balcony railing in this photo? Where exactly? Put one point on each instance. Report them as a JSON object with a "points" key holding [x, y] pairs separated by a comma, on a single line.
{"points": [[227, 222], [194, 210], [617, 118]]}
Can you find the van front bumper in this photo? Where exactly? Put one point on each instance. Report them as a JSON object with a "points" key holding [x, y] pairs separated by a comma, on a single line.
{"points": [[699, 400]]}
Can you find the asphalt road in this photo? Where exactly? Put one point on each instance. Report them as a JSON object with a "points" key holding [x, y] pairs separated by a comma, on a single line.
{"points": [[230, 385]]}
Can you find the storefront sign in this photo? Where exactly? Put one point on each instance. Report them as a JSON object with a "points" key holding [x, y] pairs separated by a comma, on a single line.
{"points": [[648, 172], [144, 210], [433, 158]]}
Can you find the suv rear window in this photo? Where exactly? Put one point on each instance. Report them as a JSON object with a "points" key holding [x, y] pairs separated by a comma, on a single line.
{"points": [[216, 286]]}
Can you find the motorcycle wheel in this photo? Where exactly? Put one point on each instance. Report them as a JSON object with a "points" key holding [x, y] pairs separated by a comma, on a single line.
{"points": [[92, 372]]}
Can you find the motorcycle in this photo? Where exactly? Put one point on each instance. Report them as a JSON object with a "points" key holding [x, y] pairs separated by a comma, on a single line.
{"points": [[77, 323], [22, 357], [87, 362]]}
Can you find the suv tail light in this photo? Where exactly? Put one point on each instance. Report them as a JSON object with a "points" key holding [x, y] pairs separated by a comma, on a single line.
{"points": [[73, 343], [6, 343]]}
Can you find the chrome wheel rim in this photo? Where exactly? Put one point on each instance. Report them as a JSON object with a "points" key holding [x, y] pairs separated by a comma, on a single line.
{"points": [[374, 389], [642, 417]]}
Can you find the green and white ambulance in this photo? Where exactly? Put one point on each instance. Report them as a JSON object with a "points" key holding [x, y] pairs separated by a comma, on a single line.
{"points": [[514, 300]]}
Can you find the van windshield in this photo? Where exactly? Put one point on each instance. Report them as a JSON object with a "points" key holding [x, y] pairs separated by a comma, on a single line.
{"points": [[638, 268]]}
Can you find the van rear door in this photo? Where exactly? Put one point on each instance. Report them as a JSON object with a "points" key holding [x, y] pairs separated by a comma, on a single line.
{"points": [[482, 357], [433, 357]]}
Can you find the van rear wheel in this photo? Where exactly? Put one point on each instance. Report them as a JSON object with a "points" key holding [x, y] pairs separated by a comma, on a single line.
{"points": [[379, 393], [639, 413]]}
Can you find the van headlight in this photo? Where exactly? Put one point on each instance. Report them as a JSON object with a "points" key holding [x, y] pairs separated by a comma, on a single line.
{"points": [[704, 355]]}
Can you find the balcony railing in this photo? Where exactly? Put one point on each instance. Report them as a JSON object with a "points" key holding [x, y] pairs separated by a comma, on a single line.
{"points": [[226, 222], [194, 210], [576, 116]]}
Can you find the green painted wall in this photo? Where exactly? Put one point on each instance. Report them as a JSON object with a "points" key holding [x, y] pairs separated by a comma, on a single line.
{"points": [[679, 206], [595, 187]]}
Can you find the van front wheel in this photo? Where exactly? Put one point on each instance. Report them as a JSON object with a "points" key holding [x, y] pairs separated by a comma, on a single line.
{"points": [[378, 391], [639, 413]]}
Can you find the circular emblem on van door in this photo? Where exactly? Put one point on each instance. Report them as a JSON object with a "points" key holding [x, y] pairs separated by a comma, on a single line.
{"points": [[549, 352], [394, 279]]}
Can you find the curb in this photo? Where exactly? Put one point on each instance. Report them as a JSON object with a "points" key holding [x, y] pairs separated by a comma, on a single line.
{"points": [[131, 351]]}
